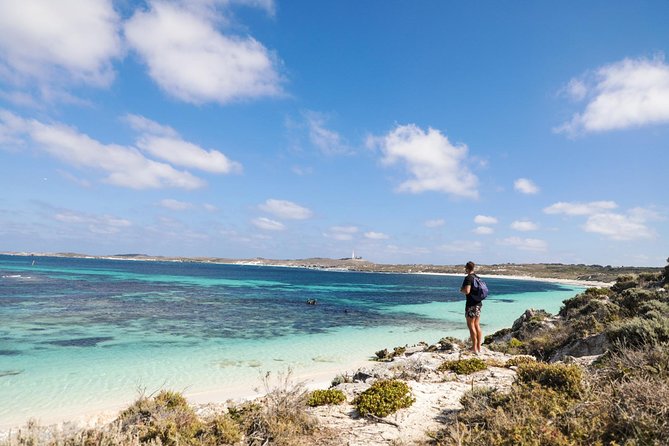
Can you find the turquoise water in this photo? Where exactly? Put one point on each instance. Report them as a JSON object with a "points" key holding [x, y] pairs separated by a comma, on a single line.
{"points": [[85, 335]]}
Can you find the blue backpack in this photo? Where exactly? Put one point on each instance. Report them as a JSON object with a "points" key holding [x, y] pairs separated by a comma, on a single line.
{"points": [[479, 289]]}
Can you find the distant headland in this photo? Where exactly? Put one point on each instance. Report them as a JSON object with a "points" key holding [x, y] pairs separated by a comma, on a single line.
{"points": [[573, 272]]}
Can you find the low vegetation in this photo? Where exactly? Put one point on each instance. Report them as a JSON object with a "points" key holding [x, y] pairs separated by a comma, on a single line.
{"points": [[326, 397], [463, 366], [621, 399], [383, 398]]}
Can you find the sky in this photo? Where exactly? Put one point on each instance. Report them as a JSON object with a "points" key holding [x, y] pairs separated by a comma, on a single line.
{"points": [[407, 132]]}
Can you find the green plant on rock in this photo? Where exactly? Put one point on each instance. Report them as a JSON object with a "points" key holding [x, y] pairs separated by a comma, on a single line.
{"points": [[560, 377], [384, 398], [463, 366], [222, 429], [638, 331], [325, 397], [515, 343]]}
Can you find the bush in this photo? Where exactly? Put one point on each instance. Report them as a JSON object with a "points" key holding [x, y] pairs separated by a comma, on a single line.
{"points": [[637, 332], [222, 429], [518, 360], [166, 418], [560, 377], [383, 398], [325, 397], [463, 366], [515, 343]]}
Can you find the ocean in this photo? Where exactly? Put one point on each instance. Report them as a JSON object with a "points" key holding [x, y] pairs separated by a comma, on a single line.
{"points": [[80, 336]]}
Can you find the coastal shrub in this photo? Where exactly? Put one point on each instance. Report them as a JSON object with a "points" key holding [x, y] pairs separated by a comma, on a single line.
{"points": [[654, 309], [383, 398], [221, 429], [515, 343], [625, 363], [528, 414], [167, 418], [566, 378], [325, 397], [497, 335], [280, 417], [518, 360], [463, 366], [636, 332]]}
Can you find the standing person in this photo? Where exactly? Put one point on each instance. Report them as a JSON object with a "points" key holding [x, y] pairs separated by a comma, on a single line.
{"points": [[472, 309]]}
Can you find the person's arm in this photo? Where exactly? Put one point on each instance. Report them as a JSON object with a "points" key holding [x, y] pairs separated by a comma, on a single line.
{"points": [[466, 286]]}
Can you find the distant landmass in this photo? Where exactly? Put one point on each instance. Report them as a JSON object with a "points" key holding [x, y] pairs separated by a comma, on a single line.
{"points": [[581, 272]]}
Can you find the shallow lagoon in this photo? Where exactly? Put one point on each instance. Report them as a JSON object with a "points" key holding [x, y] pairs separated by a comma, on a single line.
{"points": [[85, 335]]}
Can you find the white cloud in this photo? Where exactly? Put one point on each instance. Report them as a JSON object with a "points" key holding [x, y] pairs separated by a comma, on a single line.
{"points": [[376, 235], [165, 143], [628, 93], [485, 220], [462, 246], [328, 141], [483, 230], [124, 166], [619, 226], [525, 186], [524, 225], [191, 60], [576, 89], [59, 41], [97, 224], [286, 209], [576, 208], [209, 207], [525, 244], [268, 224], [436, 223], [175, 205], [342, 232], [432, 161]]}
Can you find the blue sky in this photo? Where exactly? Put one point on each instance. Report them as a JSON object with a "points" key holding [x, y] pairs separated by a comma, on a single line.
{"points": [[410, 132]]}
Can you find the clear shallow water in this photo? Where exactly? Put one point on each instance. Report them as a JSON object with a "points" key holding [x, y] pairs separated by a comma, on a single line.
{"points": [[80, 335]]}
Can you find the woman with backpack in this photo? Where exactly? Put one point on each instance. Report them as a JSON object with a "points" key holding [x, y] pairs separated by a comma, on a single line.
{"points": [[475, 290]]}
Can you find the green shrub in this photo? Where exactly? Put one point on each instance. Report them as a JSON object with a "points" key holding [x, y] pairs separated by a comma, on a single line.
{"points": [[383, 398], [463, 366], [560, 377], [515, 343], [325, 397], [637, 331], [518, 360], [222, 429], [166, 418], [598, 292]]}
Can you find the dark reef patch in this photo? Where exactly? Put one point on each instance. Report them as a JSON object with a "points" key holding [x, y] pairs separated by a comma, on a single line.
{"points": [[80, 342]]}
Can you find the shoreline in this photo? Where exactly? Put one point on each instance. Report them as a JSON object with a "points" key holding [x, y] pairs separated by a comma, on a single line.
{"points": [[219, 396]]}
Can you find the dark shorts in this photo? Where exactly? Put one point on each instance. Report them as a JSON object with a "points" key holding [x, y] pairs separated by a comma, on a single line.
{"points": [[473, 311]]}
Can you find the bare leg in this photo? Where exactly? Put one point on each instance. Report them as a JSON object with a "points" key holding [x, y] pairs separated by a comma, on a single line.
{"points": [[472, 332], [479, 334]]}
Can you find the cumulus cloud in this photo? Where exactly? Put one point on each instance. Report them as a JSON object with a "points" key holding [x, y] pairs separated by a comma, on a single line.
{"points": [[436, 223], [462, 246], [432, 161], [268, 224], [64, 41], [525, 244], [328, 141], [485, 220], [619, 226], [97, 224], [175, 205], [191, 60], [576, 208], [165, 143], [124, 166], [286, 209], [524, 225], [342, 232], [625, 94], [483, 230], [376, 235], [525, 186]]}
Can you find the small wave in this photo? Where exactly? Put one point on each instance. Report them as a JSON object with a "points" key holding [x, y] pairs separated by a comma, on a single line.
{"points": [[16, 276]]}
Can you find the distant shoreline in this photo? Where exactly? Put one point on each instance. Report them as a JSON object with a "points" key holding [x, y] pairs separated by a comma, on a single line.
{"points": [[582, 275]]}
